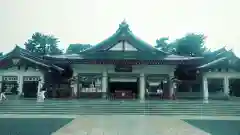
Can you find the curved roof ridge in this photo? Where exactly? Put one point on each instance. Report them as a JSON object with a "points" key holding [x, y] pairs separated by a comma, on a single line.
{"points": [[123, 32]]}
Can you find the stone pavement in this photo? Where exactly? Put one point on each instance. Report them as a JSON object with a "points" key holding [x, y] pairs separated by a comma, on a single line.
{"points": [[121, 118], [128, 125]]}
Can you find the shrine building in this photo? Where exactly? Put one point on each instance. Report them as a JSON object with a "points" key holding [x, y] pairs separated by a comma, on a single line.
{"points": [[122, 65]]}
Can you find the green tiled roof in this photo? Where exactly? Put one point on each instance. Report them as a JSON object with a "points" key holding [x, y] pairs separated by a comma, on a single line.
{"points": [[28, 56], [220, 58], [124, 33]]}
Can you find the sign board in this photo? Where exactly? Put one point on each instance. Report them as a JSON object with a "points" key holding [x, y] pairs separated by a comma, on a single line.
{"points": [[10, 78], [123, 68], [31, 78]]}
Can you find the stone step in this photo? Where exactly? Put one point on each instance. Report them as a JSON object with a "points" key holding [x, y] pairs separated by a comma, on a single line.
{"points": [[121, 109], [123, 101], [120, 113], [139, 104], [104, 107], [115, 106], [126, 109]]}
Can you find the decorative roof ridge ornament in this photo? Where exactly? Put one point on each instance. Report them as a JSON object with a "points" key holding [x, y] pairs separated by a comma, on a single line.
{"points": [[124, 25], [15, 61]]}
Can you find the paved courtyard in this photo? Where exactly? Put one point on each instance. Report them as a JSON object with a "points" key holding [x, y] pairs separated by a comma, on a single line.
{"points": [[117, 125]]}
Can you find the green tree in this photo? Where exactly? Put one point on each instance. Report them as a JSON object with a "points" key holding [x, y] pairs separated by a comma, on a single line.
{"points": [[190, 45], [164, 45], [42, 44], [77, 48]]}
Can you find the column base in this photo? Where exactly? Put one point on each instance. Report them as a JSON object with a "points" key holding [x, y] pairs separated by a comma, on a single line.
{"points": [[142, 100], [205, 101], [104, 95]]}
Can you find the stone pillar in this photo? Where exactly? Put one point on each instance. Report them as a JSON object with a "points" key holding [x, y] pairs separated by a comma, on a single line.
{"points": [[104, 83], [1, 83], [171, 89], [171, 85], [20, 84], [205, 89], [226, 86], [142, 87], [40, 84], [74, 86]]}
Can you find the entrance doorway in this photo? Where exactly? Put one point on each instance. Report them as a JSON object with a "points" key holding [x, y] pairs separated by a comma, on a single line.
{"points": [[234, 85], [30, 89], [30, 86], [123, 89]]}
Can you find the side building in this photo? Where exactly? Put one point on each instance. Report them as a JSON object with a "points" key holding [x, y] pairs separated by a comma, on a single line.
{"points": [[122, 66]]}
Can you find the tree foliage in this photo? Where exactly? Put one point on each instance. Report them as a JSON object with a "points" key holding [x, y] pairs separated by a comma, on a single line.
{"points": [[77, 48], [164, 45], [189, 45], [42, 44]]}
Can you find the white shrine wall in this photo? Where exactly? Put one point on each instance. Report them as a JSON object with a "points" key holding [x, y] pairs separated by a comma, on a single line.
{"points": [[20, 73], [136, 69]]}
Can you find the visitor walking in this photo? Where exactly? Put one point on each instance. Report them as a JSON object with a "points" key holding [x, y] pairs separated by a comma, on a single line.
{"points": [[174, 91], [41, 96], [160, 93], [3, 96]]}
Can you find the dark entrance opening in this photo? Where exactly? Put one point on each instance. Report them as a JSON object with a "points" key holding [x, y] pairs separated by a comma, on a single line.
{"points": [[234, 85], [126, 90], [30, 89], [10, 87]]}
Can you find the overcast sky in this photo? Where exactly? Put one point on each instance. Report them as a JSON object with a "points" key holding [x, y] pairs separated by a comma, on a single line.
{"points": [[90, 21]]}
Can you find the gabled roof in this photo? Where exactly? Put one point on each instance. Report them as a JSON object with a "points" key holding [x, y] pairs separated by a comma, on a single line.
{"points": [[216, 54], [220, 58], [213, 63], [123, 33], [133, 48], [26, 55]]}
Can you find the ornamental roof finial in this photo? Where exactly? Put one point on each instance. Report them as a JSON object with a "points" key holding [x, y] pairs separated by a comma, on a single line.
{"points": [[123, 24], [124, 21]]}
